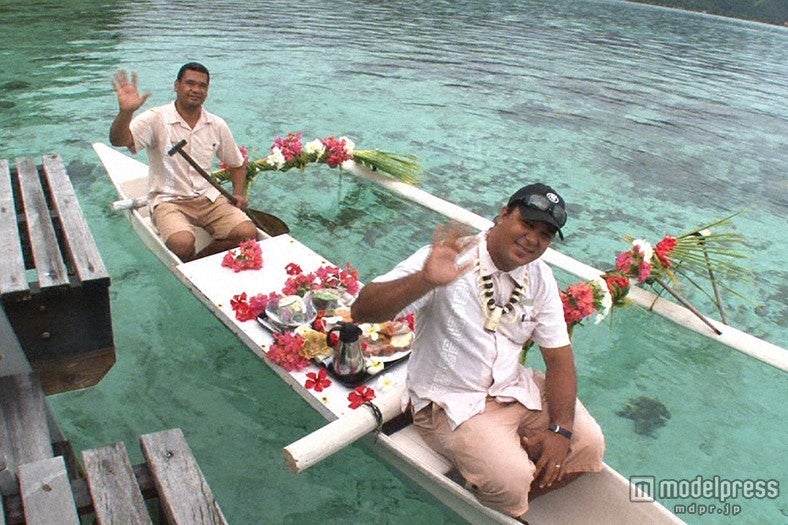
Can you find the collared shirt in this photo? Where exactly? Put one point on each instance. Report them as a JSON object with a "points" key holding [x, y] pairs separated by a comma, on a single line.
{"points": [[455, 362], [172, 177]]}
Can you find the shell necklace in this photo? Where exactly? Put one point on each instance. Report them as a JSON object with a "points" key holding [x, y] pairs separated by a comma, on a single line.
{"points": [[493, 312]]}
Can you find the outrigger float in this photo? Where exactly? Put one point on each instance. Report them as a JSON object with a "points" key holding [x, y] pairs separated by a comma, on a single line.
{"points": [[605, 497]]}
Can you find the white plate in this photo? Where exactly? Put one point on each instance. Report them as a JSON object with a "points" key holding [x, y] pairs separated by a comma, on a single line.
{"points": [[388, 358]]}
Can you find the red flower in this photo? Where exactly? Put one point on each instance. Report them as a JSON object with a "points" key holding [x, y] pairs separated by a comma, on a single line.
{"points": [[578, 300], [663, 249], [360, 395], [318, 380], [293, 269], [299, 284], [618, 286], [241, 307], [333, 277]]}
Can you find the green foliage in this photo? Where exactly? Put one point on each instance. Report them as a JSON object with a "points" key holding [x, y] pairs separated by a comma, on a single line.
{"points": [[768, 11]]}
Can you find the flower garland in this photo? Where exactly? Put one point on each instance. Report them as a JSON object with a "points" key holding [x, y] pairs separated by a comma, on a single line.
{"points": [[289, 152], [698, 251]]}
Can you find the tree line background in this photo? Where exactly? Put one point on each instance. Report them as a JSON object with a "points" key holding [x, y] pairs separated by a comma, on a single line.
{"points": [[768, 11]]}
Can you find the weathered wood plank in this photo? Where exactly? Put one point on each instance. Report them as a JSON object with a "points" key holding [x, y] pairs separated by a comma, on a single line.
{"points": [[24, 413], [43, 242], [183, 492], [12, 357], [12, 269], [80, 244], [46, 493], [113, 487]]}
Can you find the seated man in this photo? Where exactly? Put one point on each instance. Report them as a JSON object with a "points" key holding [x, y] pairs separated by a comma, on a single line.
{"points": [[178, 196], [513, 433]]}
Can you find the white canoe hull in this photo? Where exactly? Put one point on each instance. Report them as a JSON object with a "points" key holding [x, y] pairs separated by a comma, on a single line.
{"points": [[602, 498]]}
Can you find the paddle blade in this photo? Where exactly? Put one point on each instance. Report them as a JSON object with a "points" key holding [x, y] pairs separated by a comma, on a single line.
{"points": [[270, 224]]}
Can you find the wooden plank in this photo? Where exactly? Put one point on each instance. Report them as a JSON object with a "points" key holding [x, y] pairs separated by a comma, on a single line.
{"points": [[43, 242], [12, 269], [183, 492], [80, 244], [46, 493], [113, 487], [24, 413], [12, 358]]}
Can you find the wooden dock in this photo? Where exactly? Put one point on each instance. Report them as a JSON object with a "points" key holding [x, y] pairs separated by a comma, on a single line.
{"points": [[56, 336]]}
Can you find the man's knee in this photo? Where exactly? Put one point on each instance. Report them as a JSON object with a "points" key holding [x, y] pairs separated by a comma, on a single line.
{"points": [[243, 232], [182, 245]]}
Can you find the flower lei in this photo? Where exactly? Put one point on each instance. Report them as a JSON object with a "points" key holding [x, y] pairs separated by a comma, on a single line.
{"points": [[248, 256]]}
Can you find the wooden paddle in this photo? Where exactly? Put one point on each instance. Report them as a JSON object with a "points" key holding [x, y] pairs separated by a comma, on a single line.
{"points": [[270, 224]]}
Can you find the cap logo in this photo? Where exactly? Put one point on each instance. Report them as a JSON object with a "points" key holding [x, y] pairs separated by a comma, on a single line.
{"points": [[552, 197]]}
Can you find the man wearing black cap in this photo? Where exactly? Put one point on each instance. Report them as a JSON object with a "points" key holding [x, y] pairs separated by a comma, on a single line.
{"points": [[512, 432]]}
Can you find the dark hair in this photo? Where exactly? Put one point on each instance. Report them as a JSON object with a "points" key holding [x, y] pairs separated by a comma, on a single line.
{"points": [[193, 66]]}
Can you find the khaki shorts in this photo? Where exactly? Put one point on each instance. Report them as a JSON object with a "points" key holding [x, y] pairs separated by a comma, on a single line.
{"points": [[218, 218], [487, 449]]}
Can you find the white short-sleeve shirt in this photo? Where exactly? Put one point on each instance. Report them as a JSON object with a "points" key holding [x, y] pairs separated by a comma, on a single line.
{"points": [[172, 177], [455, 362]]}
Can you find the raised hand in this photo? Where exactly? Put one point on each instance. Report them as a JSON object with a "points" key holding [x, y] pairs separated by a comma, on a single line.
{"points": [[448, 245], [129, 98]]}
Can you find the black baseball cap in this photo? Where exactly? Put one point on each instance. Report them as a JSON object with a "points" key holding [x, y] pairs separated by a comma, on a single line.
{"points": [[540, 202]]}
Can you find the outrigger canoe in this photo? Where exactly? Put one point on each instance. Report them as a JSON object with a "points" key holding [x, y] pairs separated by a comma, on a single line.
{"points": [[604, 498]]}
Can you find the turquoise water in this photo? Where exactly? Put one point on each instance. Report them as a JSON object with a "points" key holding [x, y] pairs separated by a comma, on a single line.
{"points": [[648, 121]]}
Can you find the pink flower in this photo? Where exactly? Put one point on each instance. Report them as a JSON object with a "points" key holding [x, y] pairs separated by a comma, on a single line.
{"points": [[290, 146], [286, 351], [248, 256], [336, 151]]}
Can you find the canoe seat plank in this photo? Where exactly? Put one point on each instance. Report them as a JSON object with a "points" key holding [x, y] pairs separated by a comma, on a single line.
{"points": [[46, 493], [183, 492], [113, 487]]}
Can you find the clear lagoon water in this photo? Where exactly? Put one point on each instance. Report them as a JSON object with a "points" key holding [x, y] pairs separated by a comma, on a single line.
{"points": [[649, 121]]}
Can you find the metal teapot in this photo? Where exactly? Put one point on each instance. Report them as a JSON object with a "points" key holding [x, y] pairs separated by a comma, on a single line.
{"points": [[348, 359]]}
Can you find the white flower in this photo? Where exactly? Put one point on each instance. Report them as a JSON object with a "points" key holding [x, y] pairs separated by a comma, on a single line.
{"points": [[349, 145], [607, 300], [316, 146], [276, 158], [645, 249], [385, 382], [374, 366], [704, 233]]}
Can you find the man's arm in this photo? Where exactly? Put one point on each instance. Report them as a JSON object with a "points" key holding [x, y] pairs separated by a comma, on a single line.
{"points": [[561, 395], [129, 101], [238, 177], [382, 301]]}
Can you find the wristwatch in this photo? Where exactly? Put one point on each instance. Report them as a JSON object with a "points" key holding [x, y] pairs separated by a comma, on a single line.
{"points": [[552, 427]]}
